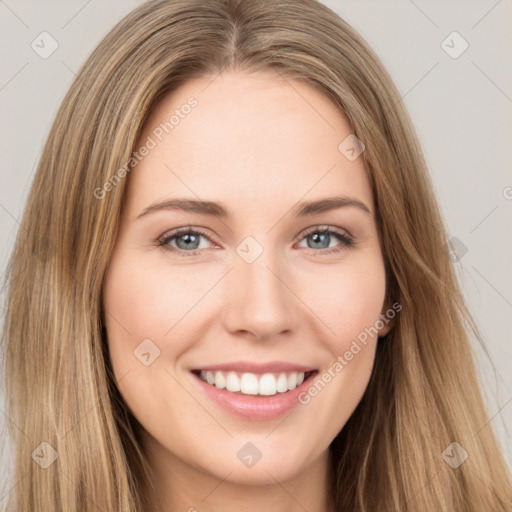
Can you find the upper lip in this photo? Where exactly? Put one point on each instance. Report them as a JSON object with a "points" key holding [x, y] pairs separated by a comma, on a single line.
{"points": [[252, 367]]}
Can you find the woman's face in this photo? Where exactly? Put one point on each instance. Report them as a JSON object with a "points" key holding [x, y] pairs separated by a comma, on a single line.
{"points": [[221, 271]]}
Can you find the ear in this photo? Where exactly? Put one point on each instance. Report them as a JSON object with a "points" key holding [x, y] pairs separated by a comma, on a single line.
{"points": [[387, 317], [385, 329]]}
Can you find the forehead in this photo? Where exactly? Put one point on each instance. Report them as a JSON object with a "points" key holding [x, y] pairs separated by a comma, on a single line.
{"points": [[248, 140]]}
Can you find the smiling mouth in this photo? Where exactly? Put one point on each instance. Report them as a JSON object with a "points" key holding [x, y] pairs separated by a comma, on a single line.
{"points": [[247, 383]]}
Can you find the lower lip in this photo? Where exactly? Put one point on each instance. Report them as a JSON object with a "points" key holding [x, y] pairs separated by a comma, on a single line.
{"points": [[255, 407]]}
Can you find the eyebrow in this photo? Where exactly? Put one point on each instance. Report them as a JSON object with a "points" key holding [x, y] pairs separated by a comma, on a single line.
{"points": [[214, 209]]}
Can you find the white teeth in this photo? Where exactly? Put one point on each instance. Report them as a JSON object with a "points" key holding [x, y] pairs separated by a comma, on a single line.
{"points": [[249, 384], [292, 381], [232, 382], [220, 381], [282, 383], [266, 384]]}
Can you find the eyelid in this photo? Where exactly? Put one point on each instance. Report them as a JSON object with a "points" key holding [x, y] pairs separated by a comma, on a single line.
{"points": [[179, 231], [324, 227]]}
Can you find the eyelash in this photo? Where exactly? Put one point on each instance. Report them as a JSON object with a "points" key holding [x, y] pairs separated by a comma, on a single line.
{"points": [[346, 240]]}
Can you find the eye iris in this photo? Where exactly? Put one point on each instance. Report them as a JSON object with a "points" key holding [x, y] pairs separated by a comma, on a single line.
{"points": [[316, 236], [190, 239]]}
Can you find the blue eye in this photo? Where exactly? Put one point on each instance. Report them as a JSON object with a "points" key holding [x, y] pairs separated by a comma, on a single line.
{"points": [[187, 241], [321, 236]]}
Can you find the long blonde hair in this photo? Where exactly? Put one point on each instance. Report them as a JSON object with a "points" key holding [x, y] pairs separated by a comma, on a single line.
{"points": [[423, 394]]}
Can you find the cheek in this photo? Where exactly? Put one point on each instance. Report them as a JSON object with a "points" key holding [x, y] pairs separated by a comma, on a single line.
{"points": [[146, 318], [350, 303], [153, 315], [147, 303], [351, 311]]}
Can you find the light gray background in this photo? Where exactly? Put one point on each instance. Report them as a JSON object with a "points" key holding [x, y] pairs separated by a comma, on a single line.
{"points": [[461, 109]]}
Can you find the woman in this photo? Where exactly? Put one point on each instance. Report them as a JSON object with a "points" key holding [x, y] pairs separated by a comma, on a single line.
{"points": [[259, 369]]}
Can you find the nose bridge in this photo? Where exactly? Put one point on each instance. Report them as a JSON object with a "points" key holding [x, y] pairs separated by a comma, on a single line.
{"points": [[258, 299]]}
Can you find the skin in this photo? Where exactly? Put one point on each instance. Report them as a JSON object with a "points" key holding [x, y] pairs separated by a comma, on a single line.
{"points": [[258, 144]]}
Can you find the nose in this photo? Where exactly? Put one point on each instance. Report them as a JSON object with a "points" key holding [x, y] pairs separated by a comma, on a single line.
{"points": [[260, 300]]}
